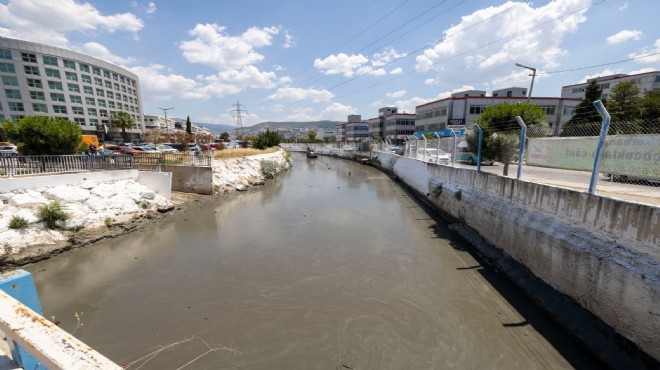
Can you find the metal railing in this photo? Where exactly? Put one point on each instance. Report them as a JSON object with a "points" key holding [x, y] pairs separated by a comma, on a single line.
{"points": [[31, 165]]}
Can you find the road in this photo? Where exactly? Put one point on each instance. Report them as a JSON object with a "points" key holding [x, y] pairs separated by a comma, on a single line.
{"points": [[579, 180]]}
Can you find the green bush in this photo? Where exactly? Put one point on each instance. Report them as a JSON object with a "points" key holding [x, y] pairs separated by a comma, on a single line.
{"points": [[267, 139], [38, 135], [18, 222], [51, 213]]}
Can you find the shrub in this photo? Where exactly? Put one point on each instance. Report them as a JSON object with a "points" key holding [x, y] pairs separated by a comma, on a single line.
{"points": [[267, 139], [51, 213], [44, 135], [18, 222], [268, 169]]}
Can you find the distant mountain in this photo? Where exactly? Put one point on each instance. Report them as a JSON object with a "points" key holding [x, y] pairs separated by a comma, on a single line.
{"points": [[211, 126], [308, 125]]}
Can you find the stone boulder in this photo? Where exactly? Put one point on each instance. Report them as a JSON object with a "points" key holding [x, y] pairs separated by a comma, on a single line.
{"points": [[67, 194], [28, 199], [105, 190]]}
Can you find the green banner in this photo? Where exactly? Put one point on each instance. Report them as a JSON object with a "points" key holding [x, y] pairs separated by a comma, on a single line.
{"points": [[629, 155]]}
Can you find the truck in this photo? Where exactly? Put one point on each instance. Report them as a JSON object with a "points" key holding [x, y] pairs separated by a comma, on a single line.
{"points": [[90, 139]]}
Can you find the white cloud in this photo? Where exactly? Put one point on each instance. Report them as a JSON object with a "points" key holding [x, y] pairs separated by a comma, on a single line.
{"points": [[340, 64], [161, 86], [293, 94], [396, 94], [623, 7], [396, 71], [624, 36], [97, 50], [48, 21], [429, 81], [388, 55], [289, 40], [653, 49], [151, 8], [333, 112], [214, 48], [466, 44], [231, 82]]}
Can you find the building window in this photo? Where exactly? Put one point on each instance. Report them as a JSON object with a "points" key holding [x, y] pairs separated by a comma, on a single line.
{"points": [[106, 73], [122, 79], [16, 107], [40, 107], [57, 97], [99, 92], [108, 85], [75, 99], [103, 113], [101, 103], [568, 111], [93, 122], [98, 81], [73, 88], [59, 108], [477, 109], [7, 67], [509, 93], [657, 78], [89, 101], [31, 70], [115, 76], [86, 79], [123, 89], [55, 85], [549, 109], [29, 57], [88, 90], [5, 54], [51, 61], [69, 64], [80, 121], [9, 80], [111, 95], [84, 67], [53, 73], [606, 86], [13, 94], [96, 71], [35, 83], [37, 95], [111, 104], [91, 111], [71, 76], [78, 110]]}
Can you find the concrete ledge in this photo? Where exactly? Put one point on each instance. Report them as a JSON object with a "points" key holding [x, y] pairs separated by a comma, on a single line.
{"points": [[191, 179], [159, 182], [48, 181]]}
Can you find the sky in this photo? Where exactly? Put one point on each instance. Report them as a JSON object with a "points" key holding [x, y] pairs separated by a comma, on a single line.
{"points": [[303, 60]]}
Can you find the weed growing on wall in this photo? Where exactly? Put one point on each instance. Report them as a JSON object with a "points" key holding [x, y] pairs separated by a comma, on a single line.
{"points": [[18, 222], [51, 213]]}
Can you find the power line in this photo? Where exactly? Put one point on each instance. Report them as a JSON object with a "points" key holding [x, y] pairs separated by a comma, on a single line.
{"points": [[237, 111], [602, 65]]}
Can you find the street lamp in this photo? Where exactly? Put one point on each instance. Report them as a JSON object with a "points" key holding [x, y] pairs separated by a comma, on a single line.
{"points": [[167, 124], [529, 96]]}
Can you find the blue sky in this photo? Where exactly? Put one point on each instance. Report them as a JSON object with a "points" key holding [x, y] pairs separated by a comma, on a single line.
{"points": [[295, 60]]}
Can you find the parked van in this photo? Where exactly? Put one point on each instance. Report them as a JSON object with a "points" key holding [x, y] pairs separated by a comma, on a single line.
{"points": [[463, 154]]}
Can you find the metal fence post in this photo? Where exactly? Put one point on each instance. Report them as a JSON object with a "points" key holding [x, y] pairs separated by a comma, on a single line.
{"points": [[453, 149], [481, 137], [601, 142], [521, 151], [424, 137]]}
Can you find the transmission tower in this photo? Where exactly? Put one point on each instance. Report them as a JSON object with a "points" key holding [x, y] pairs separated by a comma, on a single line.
{"points": [[237, 111]]}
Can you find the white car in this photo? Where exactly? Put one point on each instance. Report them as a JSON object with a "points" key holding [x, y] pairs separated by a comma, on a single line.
{"points": [[146, 149], [166, 149], [8, 150], [434, 155]]}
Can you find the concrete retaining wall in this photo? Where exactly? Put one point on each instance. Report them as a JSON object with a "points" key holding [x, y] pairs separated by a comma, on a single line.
{"points": [[68, 179], [604, 253], [191, 179], [159, 182]]}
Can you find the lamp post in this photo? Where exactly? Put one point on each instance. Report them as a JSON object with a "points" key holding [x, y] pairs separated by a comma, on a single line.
{"points": [[529, 96], [167, 124]]}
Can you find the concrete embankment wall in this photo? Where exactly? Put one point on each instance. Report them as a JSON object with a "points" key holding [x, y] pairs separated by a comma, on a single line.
{"points": [[191, 179], [602, 253]]}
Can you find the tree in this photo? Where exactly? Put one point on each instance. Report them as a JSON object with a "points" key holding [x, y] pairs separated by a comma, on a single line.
{"points": [[624, 108], [39, 135], [267, 139], [311, 135], [586, 120], [499, 123], [188, 126], [123, 121], [224, 136], [650, 111]]}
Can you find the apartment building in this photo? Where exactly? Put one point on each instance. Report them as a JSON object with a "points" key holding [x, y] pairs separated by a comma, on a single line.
{"points": [[649, 81]]}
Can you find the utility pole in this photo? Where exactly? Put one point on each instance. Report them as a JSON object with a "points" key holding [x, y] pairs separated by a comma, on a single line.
{"points": [[167, 124], [237, 111]]}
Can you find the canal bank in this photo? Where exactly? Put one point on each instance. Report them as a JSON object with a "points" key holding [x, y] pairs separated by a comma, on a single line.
{"points": [[592, 262], [107, 204]]}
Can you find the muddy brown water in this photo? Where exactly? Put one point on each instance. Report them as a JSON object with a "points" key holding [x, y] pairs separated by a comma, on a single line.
{"points": [[330, 266]]}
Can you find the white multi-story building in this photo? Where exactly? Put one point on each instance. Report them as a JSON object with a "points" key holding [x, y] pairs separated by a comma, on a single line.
{"points": [[45, 80], [158, 123], [462, 109], [649, 81]]}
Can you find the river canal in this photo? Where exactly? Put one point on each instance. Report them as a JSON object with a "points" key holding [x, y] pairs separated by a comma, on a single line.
{"points": [[330, 266]]}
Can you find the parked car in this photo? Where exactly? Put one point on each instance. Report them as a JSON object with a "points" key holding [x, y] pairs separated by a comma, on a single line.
{"points": [[115, 148], [8, 150], [397, 150], [463, 154], [146, 149], [166, 148], [433, 154]]}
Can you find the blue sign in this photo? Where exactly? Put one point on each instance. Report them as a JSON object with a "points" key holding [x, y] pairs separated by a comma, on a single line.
{"points": [[443, 133]]}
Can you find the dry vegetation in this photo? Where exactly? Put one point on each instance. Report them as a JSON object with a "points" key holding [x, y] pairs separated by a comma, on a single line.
{"points": [[241, 152]]}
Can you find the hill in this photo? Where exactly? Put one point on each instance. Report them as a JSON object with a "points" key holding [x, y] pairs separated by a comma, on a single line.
{"points": [[308, 125], [211, 126]]}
